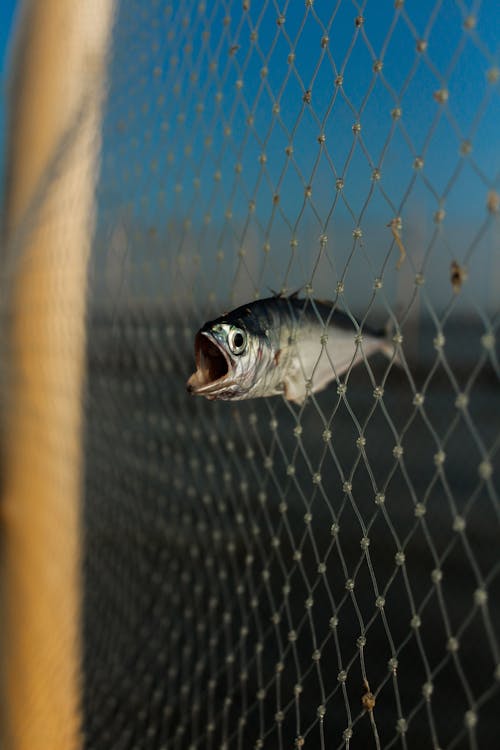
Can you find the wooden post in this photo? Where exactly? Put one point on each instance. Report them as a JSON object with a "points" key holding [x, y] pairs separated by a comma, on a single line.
{"points": [[57, 88]]}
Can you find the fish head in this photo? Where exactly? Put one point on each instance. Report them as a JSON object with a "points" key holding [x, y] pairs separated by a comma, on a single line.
{"points": [[229, 354]]}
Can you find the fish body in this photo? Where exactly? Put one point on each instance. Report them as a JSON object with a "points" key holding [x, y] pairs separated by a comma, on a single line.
{"points": [[279, 345]]}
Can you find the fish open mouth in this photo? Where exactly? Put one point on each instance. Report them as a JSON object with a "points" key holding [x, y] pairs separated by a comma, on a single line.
{"points": [[212, 364]]}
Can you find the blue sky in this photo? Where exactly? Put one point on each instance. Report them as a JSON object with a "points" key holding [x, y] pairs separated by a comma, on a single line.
{"points": [[7, 8], [182, 87], [163, 109]]}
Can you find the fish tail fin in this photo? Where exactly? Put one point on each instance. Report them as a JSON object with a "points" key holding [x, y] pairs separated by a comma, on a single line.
{"points": [[390, 343]]}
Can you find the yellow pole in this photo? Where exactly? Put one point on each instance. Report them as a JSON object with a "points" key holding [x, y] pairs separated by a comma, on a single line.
{"points": [[57, 89]]}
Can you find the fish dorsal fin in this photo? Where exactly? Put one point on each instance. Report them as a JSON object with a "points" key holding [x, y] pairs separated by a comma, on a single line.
{"points": [[326, 302], [282, 295]]}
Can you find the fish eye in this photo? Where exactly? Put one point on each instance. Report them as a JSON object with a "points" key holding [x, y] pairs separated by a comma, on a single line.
{"points": [[237, 340]]}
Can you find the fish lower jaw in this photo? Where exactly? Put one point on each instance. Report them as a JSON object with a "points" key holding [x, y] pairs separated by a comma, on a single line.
{"points": [[222, 388]]}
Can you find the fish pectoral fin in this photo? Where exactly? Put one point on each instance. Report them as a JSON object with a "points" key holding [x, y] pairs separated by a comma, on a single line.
{"points": [[294, 384], [294, 389]]}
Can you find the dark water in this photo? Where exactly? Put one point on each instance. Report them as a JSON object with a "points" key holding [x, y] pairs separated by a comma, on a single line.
{"points": [[212, 574]]}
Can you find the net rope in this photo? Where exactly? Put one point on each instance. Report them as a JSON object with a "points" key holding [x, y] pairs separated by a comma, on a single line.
{"points": [[261, 574]]}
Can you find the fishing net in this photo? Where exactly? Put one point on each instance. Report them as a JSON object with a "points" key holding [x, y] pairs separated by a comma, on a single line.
{"points": [[260, 574]]}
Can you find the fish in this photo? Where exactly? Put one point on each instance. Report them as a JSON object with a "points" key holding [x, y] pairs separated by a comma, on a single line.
{"points": [[281, 345]]}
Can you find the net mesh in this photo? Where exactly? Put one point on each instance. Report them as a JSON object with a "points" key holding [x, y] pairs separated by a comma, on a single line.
{"points": [[260, 574]]}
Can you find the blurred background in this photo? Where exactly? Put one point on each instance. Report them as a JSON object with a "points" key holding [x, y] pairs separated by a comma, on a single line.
{"points": [[6, 22], [257, 574]]}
